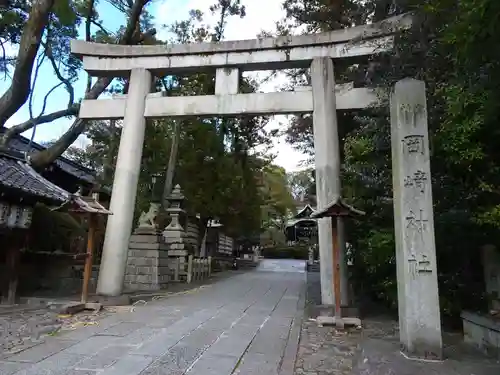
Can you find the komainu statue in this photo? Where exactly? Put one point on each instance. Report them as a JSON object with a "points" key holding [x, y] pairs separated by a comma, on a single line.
{"points": [[147, 220]]}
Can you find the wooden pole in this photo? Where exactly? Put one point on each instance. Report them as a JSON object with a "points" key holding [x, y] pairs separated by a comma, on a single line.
{"points": [[87, 272], [336, 272], [13, 257]]}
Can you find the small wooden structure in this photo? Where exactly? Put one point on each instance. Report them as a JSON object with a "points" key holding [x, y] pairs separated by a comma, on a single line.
{"points": [[337, 210], [21, 188], [90, 207]]}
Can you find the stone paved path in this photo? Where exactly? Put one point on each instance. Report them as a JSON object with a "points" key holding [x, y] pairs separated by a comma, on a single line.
{"points": [[248, 324]]}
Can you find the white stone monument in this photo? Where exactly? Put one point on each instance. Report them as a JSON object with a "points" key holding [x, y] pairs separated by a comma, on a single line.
{"points": [[418, 297]]}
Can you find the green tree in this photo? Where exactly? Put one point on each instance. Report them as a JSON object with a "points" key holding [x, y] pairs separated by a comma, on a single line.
{"points": [[452, 48]]}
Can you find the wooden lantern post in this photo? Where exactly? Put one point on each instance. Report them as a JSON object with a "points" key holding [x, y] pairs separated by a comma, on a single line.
{"points": [[91, 207], [337, 210], [87, 271]]}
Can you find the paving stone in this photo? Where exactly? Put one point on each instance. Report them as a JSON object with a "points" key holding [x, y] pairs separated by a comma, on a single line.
{"points": [[176, 361], [121, 329], [162, 342], [280, 321], [214, 365], [8, 368], [157, 345], [129, 365], [71, 371], [201, 338], [162, 322], [105, 358], [222, 321], [92, 345], [42, 351], [268, 344], [139, 336], [86, 332], [53, 365], [166, 368], [233, 342], [271, 329], [253, 320], [258, 364], [183, 333], [290, 352]]}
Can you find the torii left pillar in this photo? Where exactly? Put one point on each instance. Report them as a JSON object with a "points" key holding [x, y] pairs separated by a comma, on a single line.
{"points": [[128, 167], [327, 160]]}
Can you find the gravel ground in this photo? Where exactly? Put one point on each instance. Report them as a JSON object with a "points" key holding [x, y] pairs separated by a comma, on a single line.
{"points": [[374, 349], [23, 327]]}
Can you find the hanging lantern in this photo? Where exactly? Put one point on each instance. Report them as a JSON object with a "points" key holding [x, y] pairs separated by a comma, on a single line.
{"points": [[4, 212], [25, 217], [13, 217]]}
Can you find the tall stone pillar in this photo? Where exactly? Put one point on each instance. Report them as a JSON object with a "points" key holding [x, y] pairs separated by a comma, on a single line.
{"points": [[418, 297], [327, 160], [128, 166]]}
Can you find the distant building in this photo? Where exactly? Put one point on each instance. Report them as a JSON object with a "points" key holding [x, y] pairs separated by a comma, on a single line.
{"points": [[302, 227]]}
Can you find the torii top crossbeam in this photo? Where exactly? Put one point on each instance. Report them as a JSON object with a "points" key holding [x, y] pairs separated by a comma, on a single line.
{"points": [[228, 59], [254, 54]]}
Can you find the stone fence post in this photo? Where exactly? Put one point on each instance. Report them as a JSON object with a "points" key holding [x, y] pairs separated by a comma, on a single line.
{"points": [[190, 269]]}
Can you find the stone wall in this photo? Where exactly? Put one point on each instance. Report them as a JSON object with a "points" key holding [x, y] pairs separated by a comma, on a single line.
{"points": [[147, 263], [226, 244]]}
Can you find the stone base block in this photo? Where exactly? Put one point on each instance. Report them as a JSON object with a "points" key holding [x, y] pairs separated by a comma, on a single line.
{"points": [[147, 263], [339, 323], [482, 332], [146, 238], [329, 310]]}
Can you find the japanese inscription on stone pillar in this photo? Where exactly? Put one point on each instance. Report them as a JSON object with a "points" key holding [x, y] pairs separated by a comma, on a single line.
{"points": [[415, 182], [414, 221]]}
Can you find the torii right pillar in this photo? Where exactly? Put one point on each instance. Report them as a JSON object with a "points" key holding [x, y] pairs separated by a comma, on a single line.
{"points": [[418, 296]]}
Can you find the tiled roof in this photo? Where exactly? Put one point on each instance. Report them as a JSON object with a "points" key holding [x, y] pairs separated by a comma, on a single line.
{"points": [[16, 174], [22, 144]]}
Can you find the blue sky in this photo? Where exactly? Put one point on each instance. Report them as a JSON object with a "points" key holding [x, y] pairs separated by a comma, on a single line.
{"points": [[165, 12]]}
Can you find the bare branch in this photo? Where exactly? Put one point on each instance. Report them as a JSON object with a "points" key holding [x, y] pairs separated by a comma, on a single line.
{"points": [[39, 62], [65, 81], [19, 90], [47, 96], [4, 58], [47, 156], [27, 125], [101, 27]]}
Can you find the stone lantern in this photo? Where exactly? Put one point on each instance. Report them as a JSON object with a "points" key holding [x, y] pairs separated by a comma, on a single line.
{"points": [[175, 210]]}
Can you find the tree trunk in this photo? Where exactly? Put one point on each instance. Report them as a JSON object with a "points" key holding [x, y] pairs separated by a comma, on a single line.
{"points": [[107, 167], [202, 228], [19, 90], [172, 162]]}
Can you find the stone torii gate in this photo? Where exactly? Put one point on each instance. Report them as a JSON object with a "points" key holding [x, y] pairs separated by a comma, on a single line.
{"points": [[414, 228]]}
